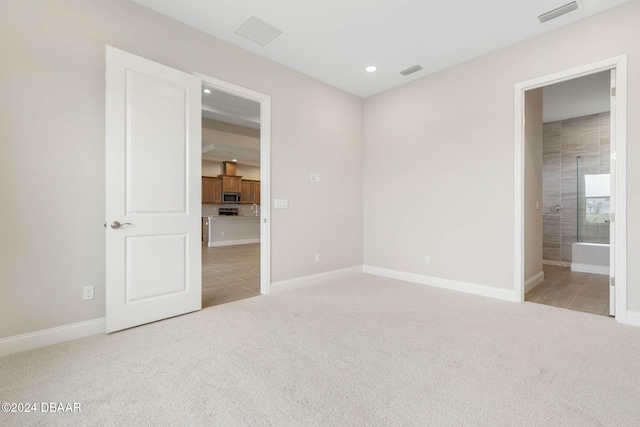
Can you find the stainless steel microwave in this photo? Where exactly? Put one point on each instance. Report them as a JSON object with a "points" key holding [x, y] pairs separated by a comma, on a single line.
{"points": [[230, 197]]}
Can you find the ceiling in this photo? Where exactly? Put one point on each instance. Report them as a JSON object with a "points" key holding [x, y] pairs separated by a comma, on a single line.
{"points": [[227, 108], [334, 40], [577, 97]]}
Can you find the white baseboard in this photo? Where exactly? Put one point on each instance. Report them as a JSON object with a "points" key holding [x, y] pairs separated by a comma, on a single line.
{"points": [[533, 282], [632, 318], [45, 337], [233, 242], [470, 288], [589, 268], [299, 282]]}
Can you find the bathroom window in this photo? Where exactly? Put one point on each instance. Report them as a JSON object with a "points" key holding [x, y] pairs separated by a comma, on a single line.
{"points": [[597, 191], [598, 210]]}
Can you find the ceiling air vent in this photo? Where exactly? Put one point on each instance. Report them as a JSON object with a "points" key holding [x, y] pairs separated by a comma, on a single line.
{"points": [[552, 14], [411, 70], [258, 31]]}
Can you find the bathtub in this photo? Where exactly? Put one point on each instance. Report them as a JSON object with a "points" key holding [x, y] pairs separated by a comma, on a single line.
{"points": [[590, 258]]}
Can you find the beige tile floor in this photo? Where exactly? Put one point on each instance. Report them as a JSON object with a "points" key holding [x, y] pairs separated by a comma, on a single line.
{"points": [[230, 273], [573, 290]]}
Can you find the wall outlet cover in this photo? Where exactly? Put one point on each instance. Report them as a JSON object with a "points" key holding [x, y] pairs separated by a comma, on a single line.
{"points": [[87, 293]]}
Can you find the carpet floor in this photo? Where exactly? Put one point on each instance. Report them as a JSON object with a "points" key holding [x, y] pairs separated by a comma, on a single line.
{"points": [[357, 351]]}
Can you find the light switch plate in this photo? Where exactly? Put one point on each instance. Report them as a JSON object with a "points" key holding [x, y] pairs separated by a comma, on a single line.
{"points": [[281, 203]]}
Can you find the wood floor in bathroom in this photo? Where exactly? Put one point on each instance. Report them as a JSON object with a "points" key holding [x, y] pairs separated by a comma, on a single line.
{"points": [[572, 290]]}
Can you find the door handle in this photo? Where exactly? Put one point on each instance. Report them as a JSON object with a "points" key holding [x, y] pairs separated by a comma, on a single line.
{"points": [[115, 224]]}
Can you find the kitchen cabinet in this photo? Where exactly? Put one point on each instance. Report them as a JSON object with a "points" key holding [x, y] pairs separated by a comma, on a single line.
{"points": [[258, 192], [211, 189], [231, 184], [250, 192]]}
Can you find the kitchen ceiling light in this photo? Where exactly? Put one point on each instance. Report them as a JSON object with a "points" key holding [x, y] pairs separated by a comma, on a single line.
{"points": [[234, 160], [207, 91], [371, 68]]}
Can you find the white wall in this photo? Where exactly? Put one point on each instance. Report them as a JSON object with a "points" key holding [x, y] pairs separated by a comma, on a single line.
{"points": [[577, 97], [533, 184], [229, 138], [52, 152], [447, 144], [214, 168]]}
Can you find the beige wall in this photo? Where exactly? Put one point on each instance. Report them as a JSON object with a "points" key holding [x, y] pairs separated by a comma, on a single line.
{"points": [[446, 144], [213, 168], [533, 183], [216, 133], [52, 152]]}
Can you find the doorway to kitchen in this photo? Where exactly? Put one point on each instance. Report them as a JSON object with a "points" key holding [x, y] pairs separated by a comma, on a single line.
{"points": [[581, 211], [235, 140]]}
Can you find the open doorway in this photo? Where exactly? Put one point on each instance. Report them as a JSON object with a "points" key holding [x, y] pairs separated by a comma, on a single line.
{"points": [[574, 152], [232, 188], [570, 208]]}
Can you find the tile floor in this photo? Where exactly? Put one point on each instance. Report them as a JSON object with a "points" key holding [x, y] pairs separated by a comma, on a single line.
{"points": [[230, 273], [573, 290]]}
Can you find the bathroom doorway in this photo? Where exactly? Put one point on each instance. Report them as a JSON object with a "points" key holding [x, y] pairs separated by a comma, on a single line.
{"points": [[569, 191]]}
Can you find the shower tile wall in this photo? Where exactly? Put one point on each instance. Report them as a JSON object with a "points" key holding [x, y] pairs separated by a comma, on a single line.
{"points": [[563, 142]]}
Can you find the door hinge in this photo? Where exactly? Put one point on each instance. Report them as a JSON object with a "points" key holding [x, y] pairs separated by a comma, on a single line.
{"points": [[612, 281], [613, 155], [613, 91]]}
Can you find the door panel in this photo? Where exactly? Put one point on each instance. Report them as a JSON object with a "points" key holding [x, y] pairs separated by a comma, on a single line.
{"points": [[153, 188], [156, 144], [151, 270]]}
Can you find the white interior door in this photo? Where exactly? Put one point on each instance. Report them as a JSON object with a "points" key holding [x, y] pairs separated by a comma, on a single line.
{"points": [[153, 138], [612, 199]]}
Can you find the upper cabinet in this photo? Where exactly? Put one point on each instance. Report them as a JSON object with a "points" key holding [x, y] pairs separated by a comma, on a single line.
{"points": [[213, 187], [250, 191], [211, 190], [231, 184]]}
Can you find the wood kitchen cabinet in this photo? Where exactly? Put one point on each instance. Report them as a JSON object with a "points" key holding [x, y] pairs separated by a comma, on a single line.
{"points": [[211, 189], [250, 192], [258, 192], [231, 184]]}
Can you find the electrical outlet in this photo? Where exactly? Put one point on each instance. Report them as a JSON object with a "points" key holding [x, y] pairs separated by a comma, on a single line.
{"points": [[222, 233], [87, 292], [317, 257], [427, 259]]}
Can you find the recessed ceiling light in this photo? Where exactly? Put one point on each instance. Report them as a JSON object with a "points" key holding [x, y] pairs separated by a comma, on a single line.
{"points": [[207, 91], [234, 160], [371, 68]]}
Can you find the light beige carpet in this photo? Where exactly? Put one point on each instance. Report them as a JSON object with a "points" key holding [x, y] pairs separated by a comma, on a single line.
{"points": [[363, 351]]}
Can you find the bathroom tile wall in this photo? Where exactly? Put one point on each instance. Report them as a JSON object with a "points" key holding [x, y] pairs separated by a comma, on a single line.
{"points": [[563, 141]]}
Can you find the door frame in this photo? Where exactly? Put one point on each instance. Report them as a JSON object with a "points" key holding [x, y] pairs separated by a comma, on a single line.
{"points": [[619, 270], [265, 169]]}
